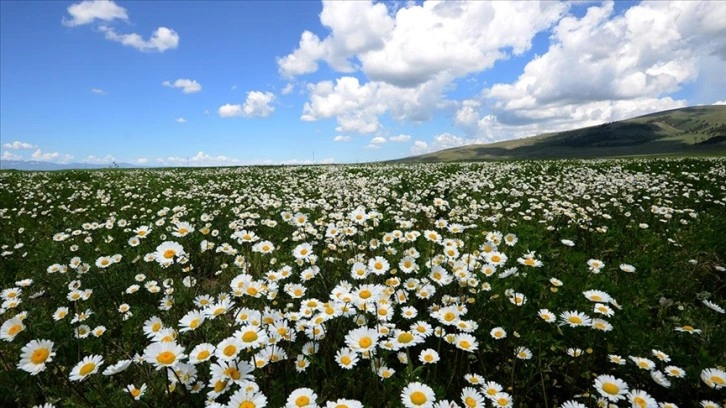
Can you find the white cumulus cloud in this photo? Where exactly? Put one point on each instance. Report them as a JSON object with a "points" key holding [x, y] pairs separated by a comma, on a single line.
{"points": [[87, 12], [161, 39], [11, 156], [400, 138], [18, 145], [410, 57], [50, 156], [636, 61], [186, 85], [98, 91], [340, 138], [257, 104], [180, 120], [419, 147]]}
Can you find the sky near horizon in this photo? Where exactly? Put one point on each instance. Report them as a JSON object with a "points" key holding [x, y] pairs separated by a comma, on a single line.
{"points": [[268, 82]]}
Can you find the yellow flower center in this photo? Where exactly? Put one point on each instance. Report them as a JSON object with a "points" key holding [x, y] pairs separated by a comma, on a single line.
{"points": [[365, 342], [203, 355], [169, 253], [639, 401], [611, 388], [232, 373], [194, 323], [230, 350], [464, 344], [470, 402], [249, 337], [141, 233], [449, 316], [218, 311], [219, 385], [378, 265], [405, 337], [418, 398], [496, 258], [303, 251], [87, 368], [428, 358], [687, 328], [135, 392], [575, 320], [166, 358], [15, 329], [104, 262], [503, 401], [247, 404], [252, 291], [345, 360], [302, 401], [717, 380], [529, 262], [40, 355], [365, 294]]}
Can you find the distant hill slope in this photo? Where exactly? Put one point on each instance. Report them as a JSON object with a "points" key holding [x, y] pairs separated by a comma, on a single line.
{"points": [[693, 130]]}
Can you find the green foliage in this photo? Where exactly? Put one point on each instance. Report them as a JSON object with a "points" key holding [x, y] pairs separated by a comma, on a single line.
{"points": [[664, 217]]}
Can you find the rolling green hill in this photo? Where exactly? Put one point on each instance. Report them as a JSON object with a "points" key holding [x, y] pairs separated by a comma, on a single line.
{"points": [[695, 130]]}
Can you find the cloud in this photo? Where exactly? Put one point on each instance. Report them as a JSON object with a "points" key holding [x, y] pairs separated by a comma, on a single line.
{"points": [[180, 120], [228, 110], [406, 60], [410, 58], [720, 102], [419, 42], [400, 138], [51, 157], [357, 107], [639, 58], [108, 159], [378, 140], [202, 159], [288, 88], [18, 145], [186, 85], [87, 12], [161, 40], [141, 160], [303, 60], [443, 141], [98, 91], [356, 27], [342, 138], [11, 156], [257, 104], [419, 147]]}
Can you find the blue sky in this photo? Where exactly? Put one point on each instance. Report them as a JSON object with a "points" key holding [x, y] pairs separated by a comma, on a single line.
{"points": [[223, 83]]}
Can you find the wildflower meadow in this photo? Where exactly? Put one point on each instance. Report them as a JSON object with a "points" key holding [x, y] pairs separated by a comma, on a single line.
{"points": [[499, 284]]}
